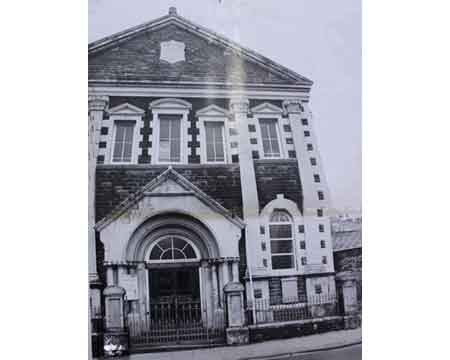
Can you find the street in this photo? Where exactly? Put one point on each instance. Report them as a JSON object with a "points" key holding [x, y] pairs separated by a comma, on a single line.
{"points": [[347, 353]]}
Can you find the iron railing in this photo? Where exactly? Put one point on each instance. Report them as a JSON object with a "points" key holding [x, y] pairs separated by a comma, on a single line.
{"points": [[293, 309], [172, 323]]}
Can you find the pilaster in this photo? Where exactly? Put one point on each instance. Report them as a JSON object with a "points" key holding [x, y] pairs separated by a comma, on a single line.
{"points": [[97, 104], [250, 202], [315, 207]]}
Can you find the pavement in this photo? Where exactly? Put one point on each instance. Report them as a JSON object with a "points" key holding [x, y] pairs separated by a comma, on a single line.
{"points": [[285, 348]]}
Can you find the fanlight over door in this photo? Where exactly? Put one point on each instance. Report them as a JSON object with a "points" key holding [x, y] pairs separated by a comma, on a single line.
{"points": [[173, 249]]}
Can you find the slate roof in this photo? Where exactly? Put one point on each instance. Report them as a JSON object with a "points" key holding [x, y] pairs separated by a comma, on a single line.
{"points": [[346, 240]]}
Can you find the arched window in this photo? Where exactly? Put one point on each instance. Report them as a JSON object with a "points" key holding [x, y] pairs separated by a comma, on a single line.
{"points": [[281, 240], [173, 248]]}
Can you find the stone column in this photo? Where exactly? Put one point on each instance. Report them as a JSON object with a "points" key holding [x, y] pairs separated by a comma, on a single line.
{"points": [[97, 105], [347, 282], [110, 278], [225, 280], [237, 333], [235, 270], [115, 335], [215, 286]]}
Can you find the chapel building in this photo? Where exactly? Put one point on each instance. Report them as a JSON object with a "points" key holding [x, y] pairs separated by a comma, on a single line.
{"points": [[206, 181]]}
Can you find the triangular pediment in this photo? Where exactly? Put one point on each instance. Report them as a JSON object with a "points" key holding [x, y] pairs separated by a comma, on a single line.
{"points": [[168, 183], [266, 108], [126, 109], [213, 111], [173, 49]]}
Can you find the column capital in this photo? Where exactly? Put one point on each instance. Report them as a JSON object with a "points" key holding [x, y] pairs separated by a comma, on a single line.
{"points": [[98, 102], [293, 106], [239, 105]]}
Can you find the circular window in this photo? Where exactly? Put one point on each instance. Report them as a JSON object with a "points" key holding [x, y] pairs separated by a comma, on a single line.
{"points": [[173, 248]]}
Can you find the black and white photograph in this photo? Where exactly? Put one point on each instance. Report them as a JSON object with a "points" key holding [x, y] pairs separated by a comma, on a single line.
{"points": [[197, 179], [225, 179]]}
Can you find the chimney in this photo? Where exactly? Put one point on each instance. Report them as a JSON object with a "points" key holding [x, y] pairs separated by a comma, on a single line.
{"points": [[172, 10]]}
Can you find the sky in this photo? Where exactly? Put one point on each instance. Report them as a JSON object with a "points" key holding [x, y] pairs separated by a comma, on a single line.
{"points": [[319, 39]]}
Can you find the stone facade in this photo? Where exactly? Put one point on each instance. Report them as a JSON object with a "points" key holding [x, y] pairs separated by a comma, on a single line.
{"points": [[219, 207]]}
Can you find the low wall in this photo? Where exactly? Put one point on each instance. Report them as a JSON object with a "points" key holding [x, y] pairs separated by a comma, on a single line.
{"points": [[284, 330]]}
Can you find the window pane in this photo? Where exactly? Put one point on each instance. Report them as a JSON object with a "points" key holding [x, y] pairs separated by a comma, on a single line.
{"points": [[164, 129], [269, 136], [175, 128], [167, 255], [189, 252], [264, 130], [175, 150], [219, 152], [210, 152], [266, 147], [178, 254], [129, 133], [209, 132], [280, 216], [156, 253], [282, 261], [275, 147], [179, 243], [119, 132], [165, 243], [214, 141], [117, 155], [128, 146], [272, 129], [281, 246], [164, 154], [218, 132], [123, 142], [280, 231]]}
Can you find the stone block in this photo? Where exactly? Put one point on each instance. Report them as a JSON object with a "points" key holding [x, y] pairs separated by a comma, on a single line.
{"points": [[237, 336]]}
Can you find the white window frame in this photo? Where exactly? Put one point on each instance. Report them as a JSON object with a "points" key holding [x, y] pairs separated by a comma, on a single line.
{"points": [[269, 111], [281, 203], [214, 113], [170, 106], [125, 112], [292, 239], [155, 243]]}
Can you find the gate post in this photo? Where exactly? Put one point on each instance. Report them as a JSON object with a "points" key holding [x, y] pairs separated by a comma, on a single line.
{"points": [[347, 282], [115, 335], [237, 333]]}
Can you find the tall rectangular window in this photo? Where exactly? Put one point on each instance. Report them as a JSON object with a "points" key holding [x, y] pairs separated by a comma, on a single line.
{"points": [[215, 150], [169, 138], [269, 134], [123, 141], [281, 240]]}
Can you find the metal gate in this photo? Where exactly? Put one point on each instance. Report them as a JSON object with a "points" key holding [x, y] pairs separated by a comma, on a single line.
{"points": [[175, 323]]}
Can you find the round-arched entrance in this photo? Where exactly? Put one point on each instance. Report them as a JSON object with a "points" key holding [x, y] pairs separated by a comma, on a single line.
{"points": [[177, 284], [174, 275]]}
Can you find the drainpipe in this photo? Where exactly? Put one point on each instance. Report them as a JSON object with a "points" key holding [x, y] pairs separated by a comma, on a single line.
{"points": [[252, 292]]}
